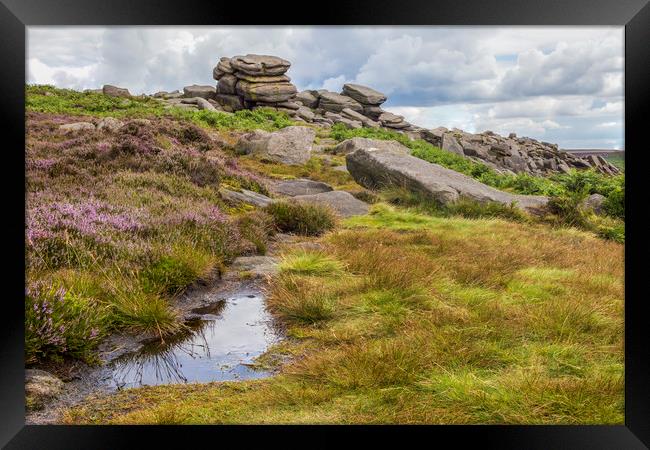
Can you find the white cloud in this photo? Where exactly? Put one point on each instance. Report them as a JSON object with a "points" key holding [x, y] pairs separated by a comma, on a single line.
{"points": [[550, 82]]}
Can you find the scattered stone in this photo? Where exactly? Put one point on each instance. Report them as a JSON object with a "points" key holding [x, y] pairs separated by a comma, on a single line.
{"points": [[245, 196], [109, 123], [41, 387], [195, 90], [374, 168], [258, 266], [594, 202], [114, 91], [290, 145], [77, 126], [343, 203], [301, 186]]}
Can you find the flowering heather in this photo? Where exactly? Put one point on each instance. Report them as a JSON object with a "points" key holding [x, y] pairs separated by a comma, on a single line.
{"points": [[57, 322]]}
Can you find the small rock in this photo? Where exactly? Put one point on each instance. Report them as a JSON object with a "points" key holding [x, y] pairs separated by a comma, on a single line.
{"points": [[245, 196], [301, 186], [594, 202], [77, 126], [343, 203], [40, 387], [109, 124]]}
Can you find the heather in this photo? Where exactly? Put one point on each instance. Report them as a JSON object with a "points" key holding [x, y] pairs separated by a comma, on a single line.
{"points": [[122, 222]]}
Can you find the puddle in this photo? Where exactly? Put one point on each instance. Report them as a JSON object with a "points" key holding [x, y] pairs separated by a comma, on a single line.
{"points": [[218, 346]]}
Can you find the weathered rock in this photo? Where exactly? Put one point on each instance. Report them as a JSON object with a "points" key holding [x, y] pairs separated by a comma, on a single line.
{"points": [[363, 94], [226, 84], [290, 145], [114, 91], [77, 126], [41, 387], [195, 90], [266, 92], [353, 115], [258, 266], [450, 144], [307, 98], [222, 68], [262, 78], [378, 168], [260, 64], [391, 120], [229, 103], [331, 101], [373, 112], [305, 113], [109, 124], [594, 202], [353, 144], [300, 186], [245, 196], [343, 203]]}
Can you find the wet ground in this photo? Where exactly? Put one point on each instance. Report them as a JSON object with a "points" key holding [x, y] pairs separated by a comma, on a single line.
{"points": [[220, 345]]}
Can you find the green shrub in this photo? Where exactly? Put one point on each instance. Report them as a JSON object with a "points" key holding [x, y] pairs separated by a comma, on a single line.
{"points": [[301, 218], [256, 227]]}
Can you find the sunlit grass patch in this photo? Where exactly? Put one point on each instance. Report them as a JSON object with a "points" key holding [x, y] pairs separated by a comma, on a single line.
{"points": [[310, 263]]}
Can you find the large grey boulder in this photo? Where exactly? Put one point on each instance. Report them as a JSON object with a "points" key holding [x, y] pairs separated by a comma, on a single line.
{"points": [[41, 387], [290, 145], [196, 90], [343, 203], [375, 168], [260, 64], [356, 143], [363, 94], [114, 91], [301, 186], [331, 101], [266, 92]]}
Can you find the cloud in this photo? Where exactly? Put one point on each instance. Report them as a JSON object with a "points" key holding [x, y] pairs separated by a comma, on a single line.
{"points": [[550, 82]]}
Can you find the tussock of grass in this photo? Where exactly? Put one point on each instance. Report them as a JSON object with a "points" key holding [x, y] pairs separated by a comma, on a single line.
{"points": [[301, 218], [428, 320], [310, 263]]}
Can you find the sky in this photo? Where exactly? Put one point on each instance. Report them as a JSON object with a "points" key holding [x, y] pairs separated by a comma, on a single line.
{"points": [[557, 84]]}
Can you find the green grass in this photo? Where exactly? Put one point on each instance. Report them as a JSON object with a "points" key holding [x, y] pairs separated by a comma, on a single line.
{"points": [[301, 218], [411, 318], [51, 100]]}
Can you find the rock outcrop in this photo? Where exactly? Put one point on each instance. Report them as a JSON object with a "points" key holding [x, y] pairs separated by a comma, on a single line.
{"points": [[374, 168], [114, 91], [253, 81]]}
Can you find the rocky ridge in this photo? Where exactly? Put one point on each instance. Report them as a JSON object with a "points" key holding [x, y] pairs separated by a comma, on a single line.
{"points": [[255, 81]]}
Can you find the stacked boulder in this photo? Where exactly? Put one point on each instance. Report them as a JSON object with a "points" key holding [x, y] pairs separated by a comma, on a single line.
{"points": [[254, 81]]}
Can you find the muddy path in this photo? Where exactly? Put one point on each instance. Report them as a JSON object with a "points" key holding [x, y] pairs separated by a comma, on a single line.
{"points": [[227, 326]]}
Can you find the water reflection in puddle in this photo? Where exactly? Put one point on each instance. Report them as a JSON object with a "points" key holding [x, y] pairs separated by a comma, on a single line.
{"points": [[217, 347]]}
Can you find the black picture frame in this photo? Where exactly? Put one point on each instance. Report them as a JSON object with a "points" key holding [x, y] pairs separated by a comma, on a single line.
{"points": [[16, 15]]}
